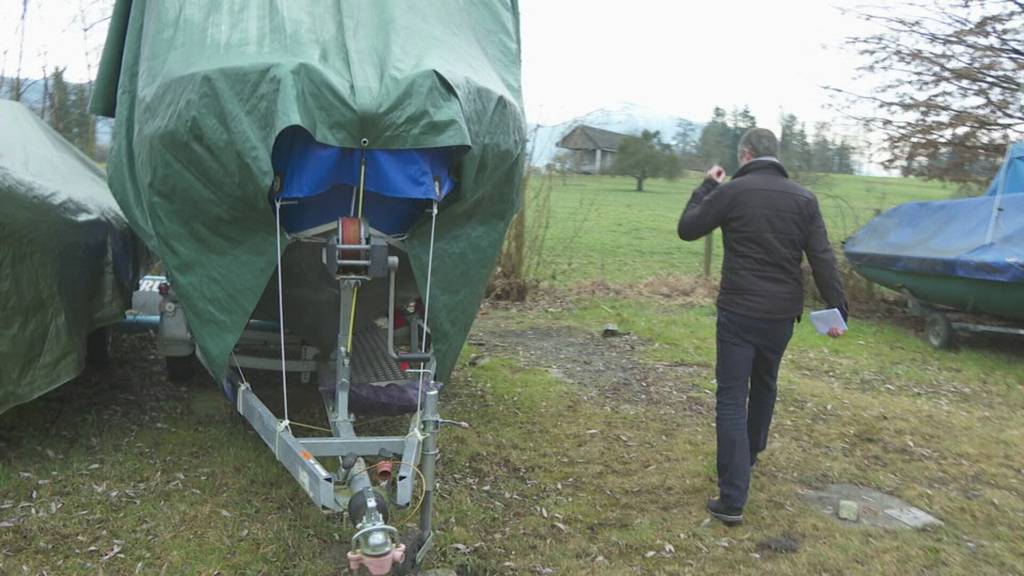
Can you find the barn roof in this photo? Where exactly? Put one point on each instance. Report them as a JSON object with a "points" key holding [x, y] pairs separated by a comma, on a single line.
{"points": [[585, 137]]}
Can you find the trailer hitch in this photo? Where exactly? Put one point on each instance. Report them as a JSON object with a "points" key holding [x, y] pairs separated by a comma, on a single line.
{"points": [[372, 544]]}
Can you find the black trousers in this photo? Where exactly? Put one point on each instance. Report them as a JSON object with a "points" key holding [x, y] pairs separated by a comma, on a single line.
{"points": [[747, 369]]}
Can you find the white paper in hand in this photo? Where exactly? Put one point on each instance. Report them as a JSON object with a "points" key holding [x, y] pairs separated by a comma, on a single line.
{"points": [[825, 320]]}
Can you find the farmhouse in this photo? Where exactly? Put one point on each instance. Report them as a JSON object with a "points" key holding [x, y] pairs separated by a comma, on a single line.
{"points": [[594, 148]]}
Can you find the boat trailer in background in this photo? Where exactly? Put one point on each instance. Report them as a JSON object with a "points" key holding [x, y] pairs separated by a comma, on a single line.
{"points": [[943, 324]]}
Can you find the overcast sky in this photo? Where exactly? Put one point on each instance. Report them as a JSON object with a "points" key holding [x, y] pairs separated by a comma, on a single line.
{"points": [[685, 58], [680, 58]]}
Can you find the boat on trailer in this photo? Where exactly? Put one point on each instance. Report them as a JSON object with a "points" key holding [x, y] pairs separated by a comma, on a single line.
{"points": [[954, 256], [328, 188], [68, 260]]}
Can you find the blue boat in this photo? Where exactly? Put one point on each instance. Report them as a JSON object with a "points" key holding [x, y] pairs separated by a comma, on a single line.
{"points": [[965, 254]]}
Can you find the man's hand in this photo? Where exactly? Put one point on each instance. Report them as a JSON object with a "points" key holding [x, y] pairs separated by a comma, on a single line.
{"points": [[716, 173], [836, 332]]}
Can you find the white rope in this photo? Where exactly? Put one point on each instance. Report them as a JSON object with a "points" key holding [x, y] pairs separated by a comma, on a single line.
{"points": [[239, 366], [280, 316], [282, 426], [426, 302], [998, 201]]}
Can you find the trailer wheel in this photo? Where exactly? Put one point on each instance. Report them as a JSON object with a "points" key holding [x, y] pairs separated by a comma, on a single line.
{"points": [[180, 368], [939, 330], [97, 348]]}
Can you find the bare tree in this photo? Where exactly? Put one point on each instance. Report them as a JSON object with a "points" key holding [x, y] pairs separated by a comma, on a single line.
{"points": [[19, 87], [46, 92], [3, 70], [90, 15], [952, 84]]}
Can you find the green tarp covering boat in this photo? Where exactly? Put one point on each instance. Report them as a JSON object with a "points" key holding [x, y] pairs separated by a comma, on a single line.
{"points": [[201, 92], [67, 257]]}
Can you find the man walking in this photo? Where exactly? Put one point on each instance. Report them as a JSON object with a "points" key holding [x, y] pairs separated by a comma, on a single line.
{"points": [[768, 223]]}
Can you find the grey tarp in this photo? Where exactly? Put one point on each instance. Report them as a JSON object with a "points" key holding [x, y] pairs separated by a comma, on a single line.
{"points": [[203, 89], [66, 256]]}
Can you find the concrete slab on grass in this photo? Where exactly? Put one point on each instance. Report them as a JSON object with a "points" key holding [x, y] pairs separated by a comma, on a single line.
{"points": [[872, 508]]}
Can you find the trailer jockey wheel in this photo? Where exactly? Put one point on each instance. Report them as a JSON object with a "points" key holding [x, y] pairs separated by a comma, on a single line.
{"points": [[939, 330]]}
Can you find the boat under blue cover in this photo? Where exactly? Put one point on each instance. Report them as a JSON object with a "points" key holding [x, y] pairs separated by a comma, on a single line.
{"points": [[966, 253]]}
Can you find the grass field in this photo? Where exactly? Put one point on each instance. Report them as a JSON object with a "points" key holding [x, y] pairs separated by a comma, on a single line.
{"points": [[601, 228], [587, 455]]}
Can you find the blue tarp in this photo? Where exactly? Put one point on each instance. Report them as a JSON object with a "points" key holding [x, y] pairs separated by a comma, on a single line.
{"points": [[321, 181], [952, 237], [1012, 171]]}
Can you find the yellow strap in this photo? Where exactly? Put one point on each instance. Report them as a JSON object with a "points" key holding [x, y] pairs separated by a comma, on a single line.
{"points": [[359, 214]]}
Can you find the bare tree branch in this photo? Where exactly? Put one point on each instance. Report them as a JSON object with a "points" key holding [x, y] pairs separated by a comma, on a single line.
{"points": [[19, 88], [951, 93]]}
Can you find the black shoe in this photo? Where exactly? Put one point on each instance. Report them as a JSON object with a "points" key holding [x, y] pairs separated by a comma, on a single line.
{"points": [[728, 516]]}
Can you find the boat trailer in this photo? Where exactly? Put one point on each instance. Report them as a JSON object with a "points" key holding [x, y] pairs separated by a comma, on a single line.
{"points": [[942, 324], [375, 476]]}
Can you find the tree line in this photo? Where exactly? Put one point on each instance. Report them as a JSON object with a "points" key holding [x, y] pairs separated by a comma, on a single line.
{"points": [[649, 155], [947, 103], [63, 105], [800, 151]]}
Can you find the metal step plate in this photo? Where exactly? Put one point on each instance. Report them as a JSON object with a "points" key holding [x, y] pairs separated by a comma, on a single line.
{"points": [[371, 363]]}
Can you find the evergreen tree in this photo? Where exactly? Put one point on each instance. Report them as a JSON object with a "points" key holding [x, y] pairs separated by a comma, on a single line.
{"points": [[794, 150], [67, 111], [844, 158], [59, 105], [822, 158], [715, 144], [740, 121]]}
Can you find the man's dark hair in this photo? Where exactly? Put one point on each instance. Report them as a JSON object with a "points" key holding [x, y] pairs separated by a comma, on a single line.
{"points": [[759, 142]]}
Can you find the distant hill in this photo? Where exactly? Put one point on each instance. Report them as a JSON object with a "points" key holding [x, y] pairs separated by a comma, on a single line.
{"points": [[625, 118], [33, 98]]}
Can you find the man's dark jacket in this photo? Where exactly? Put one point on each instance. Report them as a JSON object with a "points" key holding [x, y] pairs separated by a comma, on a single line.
{"points": [[768, 223]]}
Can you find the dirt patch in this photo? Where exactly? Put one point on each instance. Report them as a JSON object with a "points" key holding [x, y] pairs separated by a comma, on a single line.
{"points": [[781, 545], [609, 367]]}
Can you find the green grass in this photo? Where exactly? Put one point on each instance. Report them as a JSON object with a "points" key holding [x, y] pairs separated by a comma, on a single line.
{"points": [[548, 477], [601, 228], [879, 408], [169, 475], [553, 477]]}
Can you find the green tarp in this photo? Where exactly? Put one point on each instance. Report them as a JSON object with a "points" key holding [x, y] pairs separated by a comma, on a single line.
{"points": [[66, 256], [202, 89]]}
